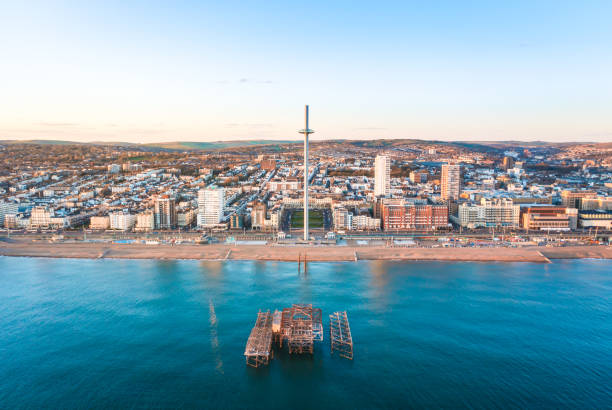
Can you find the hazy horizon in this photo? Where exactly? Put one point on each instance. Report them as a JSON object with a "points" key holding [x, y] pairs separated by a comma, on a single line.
{"points": [[147, 72]]}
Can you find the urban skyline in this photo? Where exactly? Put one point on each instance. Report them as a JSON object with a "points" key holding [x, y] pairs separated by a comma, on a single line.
{"points": [[173, 233]]}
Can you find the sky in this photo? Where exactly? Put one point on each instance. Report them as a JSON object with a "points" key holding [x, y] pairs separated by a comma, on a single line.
{"points": [[148, 71]]}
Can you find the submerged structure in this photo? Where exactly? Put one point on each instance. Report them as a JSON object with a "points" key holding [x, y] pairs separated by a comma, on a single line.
{"points": [[299, 327]]}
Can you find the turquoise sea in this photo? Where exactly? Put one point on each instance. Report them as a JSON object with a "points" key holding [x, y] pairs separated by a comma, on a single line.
{"points": [[167, 334]]}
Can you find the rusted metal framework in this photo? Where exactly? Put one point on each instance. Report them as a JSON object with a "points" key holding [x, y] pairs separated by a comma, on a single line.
{"points": [[301, 326], [340, 335], [258, 350]]}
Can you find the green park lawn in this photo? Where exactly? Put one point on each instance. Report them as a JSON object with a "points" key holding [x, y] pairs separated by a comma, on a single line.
{"points": [[315, 219]]}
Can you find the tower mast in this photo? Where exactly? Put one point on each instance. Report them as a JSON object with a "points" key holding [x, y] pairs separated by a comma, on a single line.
{"points": [[306, 131]]}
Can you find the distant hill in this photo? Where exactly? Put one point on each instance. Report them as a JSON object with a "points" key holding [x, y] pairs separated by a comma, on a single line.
{"points": [[189, 145], [276, 144], [41, 142], [161, 146]]}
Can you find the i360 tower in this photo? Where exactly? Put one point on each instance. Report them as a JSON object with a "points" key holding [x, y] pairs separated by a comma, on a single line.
{"points": [[306, 131]]}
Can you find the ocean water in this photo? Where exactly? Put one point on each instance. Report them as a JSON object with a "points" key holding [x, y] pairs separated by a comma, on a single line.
{"points": [[126, 333]]}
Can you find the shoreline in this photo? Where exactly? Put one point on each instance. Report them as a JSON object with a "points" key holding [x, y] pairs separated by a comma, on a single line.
{"points": [[535, 254]]}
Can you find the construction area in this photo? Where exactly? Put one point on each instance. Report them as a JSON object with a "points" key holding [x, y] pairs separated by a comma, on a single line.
{"points": [[297, 327]]}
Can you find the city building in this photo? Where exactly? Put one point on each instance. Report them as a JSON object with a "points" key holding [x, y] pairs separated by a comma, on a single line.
{"points": [[114, 168], [382, 176], [508, 163], [185, 218], [549, 218], [600, 202], [211, 206], [402, 215], [268, 164], [595, 219], [450, 184], [99, 222], [122, 221], [571, 199], [145, 221], [43, 218], [165, 212], [489, 213], [364, 222], [237, 221], [258, 215], [341, 219], [290, 184], [7, 208], [16, 221], [418, 177]]}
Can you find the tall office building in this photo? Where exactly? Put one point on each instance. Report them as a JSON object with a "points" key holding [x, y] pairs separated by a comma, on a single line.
{"points": [[451, 182], [211, 206], [165, 212], [382, 175]]}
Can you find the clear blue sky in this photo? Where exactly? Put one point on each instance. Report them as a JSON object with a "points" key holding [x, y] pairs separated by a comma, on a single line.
{"points": [[166, 71]]}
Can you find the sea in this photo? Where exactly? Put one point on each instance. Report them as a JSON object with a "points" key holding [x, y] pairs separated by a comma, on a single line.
{"points": [[78, 333]]}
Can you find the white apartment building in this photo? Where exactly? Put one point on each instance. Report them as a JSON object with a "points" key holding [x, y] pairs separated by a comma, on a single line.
{"points": [[7, 208], [365, 222], [122, 221], [145, 221], [382, 175], [211, 206], [450, 182], [44, 218], [490, 212], [99, 222]]}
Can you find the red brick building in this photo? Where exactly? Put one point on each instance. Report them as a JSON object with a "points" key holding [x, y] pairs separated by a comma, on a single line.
{"points": [[408, 216]]}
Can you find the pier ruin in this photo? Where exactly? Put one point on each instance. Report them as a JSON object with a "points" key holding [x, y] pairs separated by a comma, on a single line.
{"points": [[340, 335], [258, 350], [299, 327]]}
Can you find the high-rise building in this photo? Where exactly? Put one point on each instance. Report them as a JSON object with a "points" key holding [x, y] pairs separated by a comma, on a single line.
{"points": [[165, 212], [507, 163], [451, 182], [211, 206], [7, 208], [382, 175]]}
